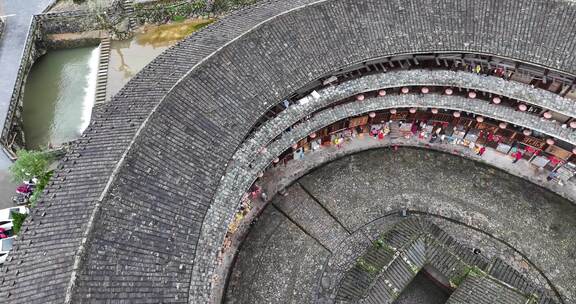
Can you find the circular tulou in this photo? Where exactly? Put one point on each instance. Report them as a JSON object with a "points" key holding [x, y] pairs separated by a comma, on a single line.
{"points": [[324, 151]]}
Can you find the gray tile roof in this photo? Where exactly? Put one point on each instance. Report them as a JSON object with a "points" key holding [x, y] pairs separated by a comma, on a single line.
{"points": [[123, 213]]}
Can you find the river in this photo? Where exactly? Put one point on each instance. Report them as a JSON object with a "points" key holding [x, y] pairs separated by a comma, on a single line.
{"points": [[59, 96]]}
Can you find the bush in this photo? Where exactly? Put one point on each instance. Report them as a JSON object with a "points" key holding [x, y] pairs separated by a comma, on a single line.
{"points": [[29, 164], [17, 220], [227, 5], [178, 18], [42, 183]]}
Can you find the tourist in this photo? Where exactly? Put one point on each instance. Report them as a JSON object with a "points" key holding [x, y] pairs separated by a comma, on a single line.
{"points": [[380, 135], [478, 69], [517, 157], [433, 137], [481, 151]]}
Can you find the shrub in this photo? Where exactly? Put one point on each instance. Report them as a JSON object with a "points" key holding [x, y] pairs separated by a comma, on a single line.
{"points": [[17, 220], [42, 183], [178, 18], [29, 164]]}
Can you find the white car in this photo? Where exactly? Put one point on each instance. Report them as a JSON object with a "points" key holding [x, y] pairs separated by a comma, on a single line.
{"points": [[6, 216], [5, 247]]}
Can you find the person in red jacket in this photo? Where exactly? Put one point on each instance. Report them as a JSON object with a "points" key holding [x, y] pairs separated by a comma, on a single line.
{"points": [[517, 156], [481, 151]]}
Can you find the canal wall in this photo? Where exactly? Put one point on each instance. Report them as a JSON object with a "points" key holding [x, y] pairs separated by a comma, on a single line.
{"points": [[13, 132], [37, 42], [1, 27]]}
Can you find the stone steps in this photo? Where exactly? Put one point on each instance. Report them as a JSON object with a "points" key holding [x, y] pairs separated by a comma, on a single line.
{"points": [[483, 290], [395, 263], [128, 6], [102, 78], [501, 271]]}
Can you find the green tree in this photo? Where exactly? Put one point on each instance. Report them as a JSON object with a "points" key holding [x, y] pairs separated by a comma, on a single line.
{"points": [[17, 220], [29, 164]]}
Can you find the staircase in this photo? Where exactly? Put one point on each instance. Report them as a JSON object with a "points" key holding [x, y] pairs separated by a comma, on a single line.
{"points": [[128, 6], [102, 77]]}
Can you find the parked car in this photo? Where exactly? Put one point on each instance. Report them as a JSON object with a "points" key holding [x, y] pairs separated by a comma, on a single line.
{"points": [[6, 216], [5, 247]]}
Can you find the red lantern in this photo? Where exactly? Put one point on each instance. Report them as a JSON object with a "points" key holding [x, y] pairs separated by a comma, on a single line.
{"points": [[393, 111], [425, 90], [313, 135], [522, 107], [573, 124], [479, 118], [527, 132], [448, 91], [550, 141], [382, 93], [496, 100], [405, 90], [295, 146], [434, 111], [260, 174], [456, 114], [472, 94], [372, 114], [412, 110], [574, 150], [547, 115], [276, 160], [503, 125], [360, 97]]}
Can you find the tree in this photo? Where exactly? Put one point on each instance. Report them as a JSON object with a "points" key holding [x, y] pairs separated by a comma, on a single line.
{"points": [[29, 164]]}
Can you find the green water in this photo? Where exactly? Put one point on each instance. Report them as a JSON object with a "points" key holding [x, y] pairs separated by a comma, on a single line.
{"points": [[59, 95]]}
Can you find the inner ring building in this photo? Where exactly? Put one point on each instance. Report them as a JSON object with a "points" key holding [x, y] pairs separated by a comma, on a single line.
{"points": [[334, 151]]}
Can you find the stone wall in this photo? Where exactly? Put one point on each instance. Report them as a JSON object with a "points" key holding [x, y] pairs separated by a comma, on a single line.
{"points": [[162, 11], [82, 21], [1, 27]]}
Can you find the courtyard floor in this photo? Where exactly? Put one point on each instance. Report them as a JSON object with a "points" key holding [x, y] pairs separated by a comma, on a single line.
{"points": [[297, 235]]}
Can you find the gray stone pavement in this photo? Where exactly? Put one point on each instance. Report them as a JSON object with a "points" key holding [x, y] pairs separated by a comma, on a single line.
{"points": [[281, 265], [363, 187]]}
